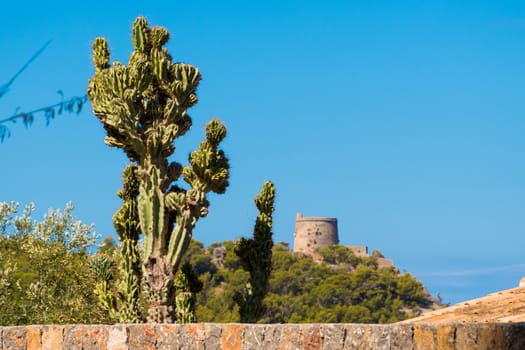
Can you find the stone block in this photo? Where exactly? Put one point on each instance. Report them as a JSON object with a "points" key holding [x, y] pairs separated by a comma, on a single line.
{"points": [[401, 337], [387, 337], [309, 337], [73, 337], [332, 336], [466, 335], [261, 336], [509, 336], [117, 338], [167, 335], [446, 336], [142, 336], [232, 335], [52, 337], [34, 337], [486, 337], [289, 337], [213, 338], [357, 337], [425, 336], [14, 338], [272, 335], [501, 336], [94, 337], [517, 336], [191, 336], [253, 336], [380, 337]]}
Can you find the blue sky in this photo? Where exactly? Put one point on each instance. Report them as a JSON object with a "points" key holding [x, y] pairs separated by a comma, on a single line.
{"points": [[404, 120]]}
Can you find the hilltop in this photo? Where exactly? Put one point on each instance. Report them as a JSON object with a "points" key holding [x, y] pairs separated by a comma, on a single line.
{"points": [[342, 287]]}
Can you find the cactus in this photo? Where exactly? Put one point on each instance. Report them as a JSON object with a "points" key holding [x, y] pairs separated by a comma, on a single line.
{"points": [[123, 307], [255, 256], [102, 267], [143, 108], [127, 225], [187, 285]]}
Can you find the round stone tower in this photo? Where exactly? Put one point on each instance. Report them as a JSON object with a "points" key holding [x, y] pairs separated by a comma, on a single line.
{"points": [[314, 232]]}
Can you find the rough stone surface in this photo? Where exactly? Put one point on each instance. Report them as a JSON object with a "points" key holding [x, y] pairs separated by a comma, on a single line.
{"points": [[14, 338], [142, 336], [486, 337], [272, 335], [502, 340], [253, 337], [509, 336], [290, 337], [380, 337], [425, 336], [191, 337], [332, 336], [357, 337], [213, 334], [118, 336], [167, 338], [94, 337], [400, 337], [428, 336], [34, 338], [52, 337], [231, 337], [310, 337], [466, 335], [446, 337], [517, 334], [73, 337]]}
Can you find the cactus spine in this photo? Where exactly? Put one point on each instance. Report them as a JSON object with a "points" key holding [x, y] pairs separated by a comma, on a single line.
{"points": [[143, 108], [255, 256]]}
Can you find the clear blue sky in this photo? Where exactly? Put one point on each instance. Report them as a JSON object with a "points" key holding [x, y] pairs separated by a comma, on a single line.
{"points": [[403, 119]]}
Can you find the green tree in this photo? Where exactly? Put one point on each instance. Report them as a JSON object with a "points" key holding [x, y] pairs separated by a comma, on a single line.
{"points": [[44, 277], [302, 290], [143, 108], [339, 254]]}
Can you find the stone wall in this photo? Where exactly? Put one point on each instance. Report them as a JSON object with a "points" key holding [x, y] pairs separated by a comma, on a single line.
{"points": [[497, 336]]}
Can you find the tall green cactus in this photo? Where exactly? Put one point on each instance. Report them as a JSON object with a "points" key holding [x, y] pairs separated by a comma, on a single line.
{"points": [[188, 285], [127, 225], [143, 108], [102, 267], [124, 305], [255, 255]]}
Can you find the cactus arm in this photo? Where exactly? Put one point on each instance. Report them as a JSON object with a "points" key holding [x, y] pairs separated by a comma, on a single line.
{"points": [[151, 212], [127, 225], [256, 257], [101, 267], [188, 285]]}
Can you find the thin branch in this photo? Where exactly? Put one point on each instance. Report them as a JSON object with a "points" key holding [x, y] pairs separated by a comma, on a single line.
{"points": [[72, 105], [5, 88]]}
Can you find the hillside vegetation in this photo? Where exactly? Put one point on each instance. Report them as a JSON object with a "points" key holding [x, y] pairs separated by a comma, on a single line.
{"points": [[343, 288]]}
